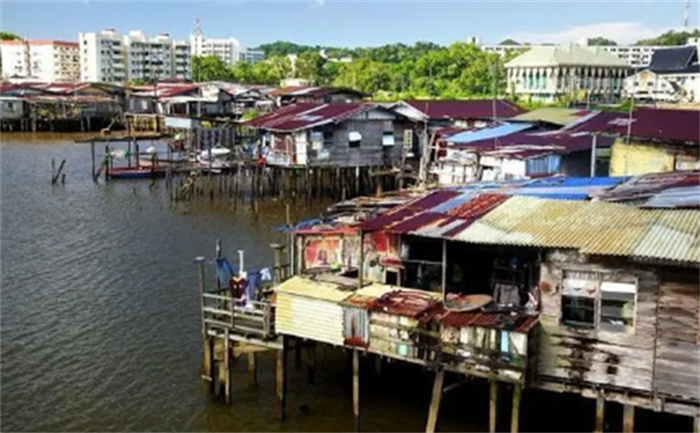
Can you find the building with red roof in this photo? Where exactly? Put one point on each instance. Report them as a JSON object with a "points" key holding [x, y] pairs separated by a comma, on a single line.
{"points": [[356, 134]]}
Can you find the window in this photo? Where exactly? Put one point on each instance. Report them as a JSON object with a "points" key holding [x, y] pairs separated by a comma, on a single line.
{"points": [[590, 300], [327, 138], [617, 301], [388, 133], [354, 139]]}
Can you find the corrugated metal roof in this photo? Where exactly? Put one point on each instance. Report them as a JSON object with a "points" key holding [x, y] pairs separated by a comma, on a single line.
{"points": [[685, 196], [488, 133], [555, 115], [519, 323], [465, 109], [301, 286], [674, 235]]}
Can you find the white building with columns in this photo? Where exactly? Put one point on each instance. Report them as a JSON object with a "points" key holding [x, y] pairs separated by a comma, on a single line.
{"points": [[548, 73], [44, 60]]}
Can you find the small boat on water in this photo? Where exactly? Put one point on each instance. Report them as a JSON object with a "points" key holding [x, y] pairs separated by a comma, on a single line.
{"points": [[136, 172], [216, 158]]}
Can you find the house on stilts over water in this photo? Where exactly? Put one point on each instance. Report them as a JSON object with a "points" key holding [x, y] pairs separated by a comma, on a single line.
{"points": [[577, 285]]}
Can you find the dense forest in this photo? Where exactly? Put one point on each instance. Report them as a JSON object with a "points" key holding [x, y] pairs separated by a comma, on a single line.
{"points": [[390, 71]]}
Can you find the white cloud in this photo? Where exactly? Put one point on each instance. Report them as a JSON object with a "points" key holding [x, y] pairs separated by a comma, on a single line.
{"points": [[315, 4], [621, 32]]}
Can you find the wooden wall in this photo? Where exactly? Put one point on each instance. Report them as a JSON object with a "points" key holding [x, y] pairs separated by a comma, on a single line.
{"points": [[677, 347], [659, 360], [595, 358]]}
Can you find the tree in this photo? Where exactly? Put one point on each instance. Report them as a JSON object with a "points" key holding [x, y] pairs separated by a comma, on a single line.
{"points": [[670, 38], [601, 41], [209, 68], [309, 65], [7, 36], [366, 75]]}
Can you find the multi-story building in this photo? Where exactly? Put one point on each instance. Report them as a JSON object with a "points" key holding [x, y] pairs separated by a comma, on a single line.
{"points": [[109, 57], [228, 50], [102, 57], [251, 55], [548, 73], [634, 55], [44, 60]]}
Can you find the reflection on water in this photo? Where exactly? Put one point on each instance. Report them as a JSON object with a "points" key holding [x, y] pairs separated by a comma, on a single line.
{"points": [[100, 321]]}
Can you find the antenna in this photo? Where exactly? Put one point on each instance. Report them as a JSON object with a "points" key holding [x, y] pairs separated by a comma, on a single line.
{"points": [[197, 27], [686, 15]]}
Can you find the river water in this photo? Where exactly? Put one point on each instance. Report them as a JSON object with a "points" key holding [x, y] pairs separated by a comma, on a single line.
{"points": [[100, 324]]}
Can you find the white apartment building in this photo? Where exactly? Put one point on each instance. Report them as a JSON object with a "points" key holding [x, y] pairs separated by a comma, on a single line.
{"points": [[228, 50], [635, 55], [251, 56], [44, 60], [110, 57], [102, 57]]}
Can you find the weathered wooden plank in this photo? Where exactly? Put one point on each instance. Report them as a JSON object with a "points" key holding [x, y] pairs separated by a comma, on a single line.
{"points": [[633, 359], [597, 378]]}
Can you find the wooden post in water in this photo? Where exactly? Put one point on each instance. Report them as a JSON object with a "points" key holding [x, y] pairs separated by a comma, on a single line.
{"points": [[515, 413], [53, 170], [599, 414], [356, 388], [253, 369], [435, 401], [206, 340], [92, 158], [227, 367], [277, 271], [628, 418], [696, 423], [108, 162], [281, 381], [493, 404]]}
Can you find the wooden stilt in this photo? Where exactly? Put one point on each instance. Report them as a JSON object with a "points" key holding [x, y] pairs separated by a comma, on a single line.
{"points": [[297, 353], [311, 363], [227, 367], [493, 404], [696, 423], [378, 366], [628, 419], [253, 369], [356, 388], [435, 401], [281, 379], [515, 414], [599, 414]]}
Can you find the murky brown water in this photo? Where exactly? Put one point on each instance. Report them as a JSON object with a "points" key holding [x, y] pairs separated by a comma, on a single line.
{"points": [[101, 328]]}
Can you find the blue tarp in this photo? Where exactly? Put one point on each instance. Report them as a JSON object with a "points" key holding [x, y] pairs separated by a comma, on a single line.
{"points": [[486, 133]]}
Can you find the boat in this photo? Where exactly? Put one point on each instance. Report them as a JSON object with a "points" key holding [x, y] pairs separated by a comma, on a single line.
{"points": [[135, 172], [216, 158]]}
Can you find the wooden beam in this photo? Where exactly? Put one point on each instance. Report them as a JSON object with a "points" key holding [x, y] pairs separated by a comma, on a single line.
{"points": [[227, 367], [281, 381], [311, 363], [515, 415], [599, 414], [356, 388], [493, 402], [696, 423], [628, 419], [435, 401], [253, 368]]}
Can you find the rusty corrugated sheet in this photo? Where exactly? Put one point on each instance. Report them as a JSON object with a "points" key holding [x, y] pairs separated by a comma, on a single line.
{"points": [[521, 323], [675, 235]]}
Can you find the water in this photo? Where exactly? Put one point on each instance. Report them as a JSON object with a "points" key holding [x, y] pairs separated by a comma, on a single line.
{"points": [[101, 329]]}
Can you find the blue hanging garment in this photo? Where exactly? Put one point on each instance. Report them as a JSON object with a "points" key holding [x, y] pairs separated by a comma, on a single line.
{"points": [[224, 271]]}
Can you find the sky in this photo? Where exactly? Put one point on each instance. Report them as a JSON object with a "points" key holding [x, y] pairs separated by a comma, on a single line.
{"points": [[351, 23]]}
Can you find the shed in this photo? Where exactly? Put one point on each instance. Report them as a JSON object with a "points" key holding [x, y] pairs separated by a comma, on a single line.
{"points": [[310, 309]]}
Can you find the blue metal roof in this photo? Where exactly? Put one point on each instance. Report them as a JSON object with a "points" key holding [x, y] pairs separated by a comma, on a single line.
{"points": [[563, 181], [486, 133]]}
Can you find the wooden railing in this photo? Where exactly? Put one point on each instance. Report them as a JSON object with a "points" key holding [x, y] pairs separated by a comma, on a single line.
{"points": [[221, 312]]}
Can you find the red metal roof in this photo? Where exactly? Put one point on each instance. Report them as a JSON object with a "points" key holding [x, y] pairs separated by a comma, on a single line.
{"points": [[565, 141], [403, 212], [648, 123], [302, 116], [465, 109], [404, 303], [517, 323]]}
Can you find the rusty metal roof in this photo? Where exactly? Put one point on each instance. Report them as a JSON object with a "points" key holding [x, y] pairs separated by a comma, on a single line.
{"points": [[518, 323]]}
